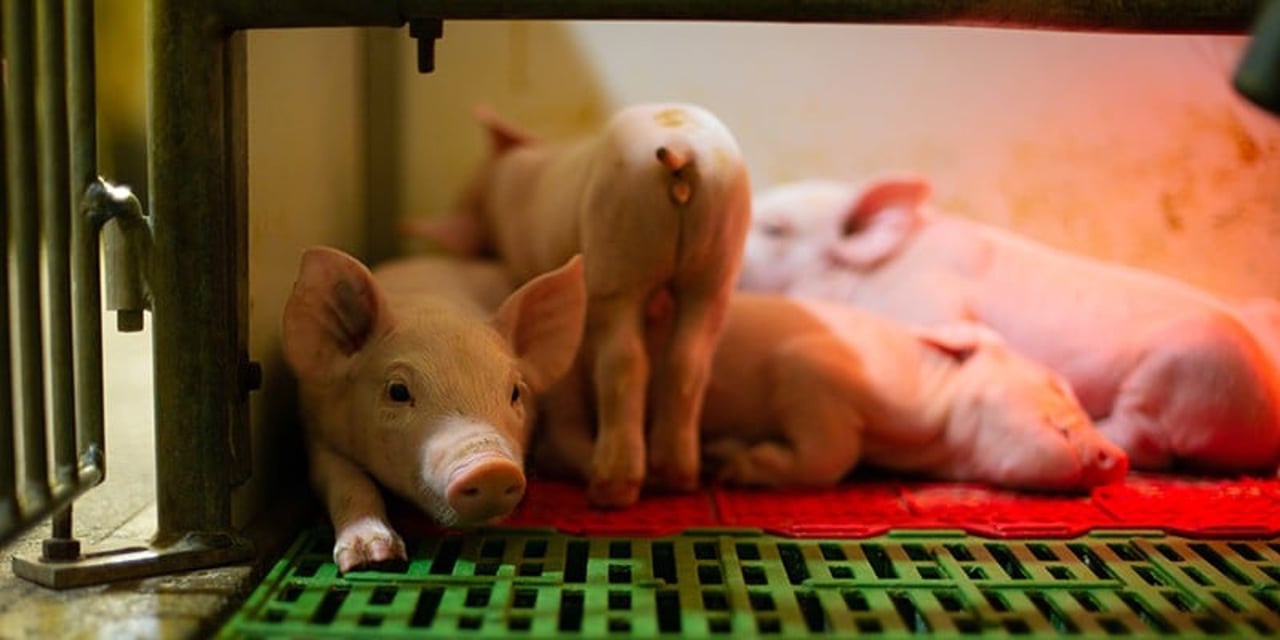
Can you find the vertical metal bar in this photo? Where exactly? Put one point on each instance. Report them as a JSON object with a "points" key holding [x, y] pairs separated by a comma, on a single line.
{"points": [[237, 118], [193, 262], [24, 248], [8, 438], [86, 289], [55, 219]]}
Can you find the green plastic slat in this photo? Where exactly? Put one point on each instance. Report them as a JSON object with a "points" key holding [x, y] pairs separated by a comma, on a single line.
{"points": [[512, 583]]}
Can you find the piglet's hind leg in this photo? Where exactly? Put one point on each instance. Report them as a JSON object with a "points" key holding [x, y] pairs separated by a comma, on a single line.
{"points": [[815, 394], [621, 375], [682, 370]]}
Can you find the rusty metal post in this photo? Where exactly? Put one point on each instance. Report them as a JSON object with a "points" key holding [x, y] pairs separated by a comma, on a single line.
{"points": [[193, 266]]}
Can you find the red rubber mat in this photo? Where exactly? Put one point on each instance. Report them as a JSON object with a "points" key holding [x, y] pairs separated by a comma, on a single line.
{"points": [[1188, 506]]}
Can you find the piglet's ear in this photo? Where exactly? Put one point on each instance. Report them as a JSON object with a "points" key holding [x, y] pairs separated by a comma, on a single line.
{"points": [[543, 321], [503, 135], [879, 221], [958, 339], [334, 311]]}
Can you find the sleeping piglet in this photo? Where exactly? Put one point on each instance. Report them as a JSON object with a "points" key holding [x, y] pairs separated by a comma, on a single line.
{"points": [[657, 202], [1168, 372], [406, 381], [801, 392]]}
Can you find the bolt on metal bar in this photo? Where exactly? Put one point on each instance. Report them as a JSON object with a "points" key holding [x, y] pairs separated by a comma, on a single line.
{"points": [[24, 248], [55, 220]]}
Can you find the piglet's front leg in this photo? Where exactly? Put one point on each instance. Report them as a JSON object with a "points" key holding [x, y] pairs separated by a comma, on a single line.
{"points": [[362, 535]]}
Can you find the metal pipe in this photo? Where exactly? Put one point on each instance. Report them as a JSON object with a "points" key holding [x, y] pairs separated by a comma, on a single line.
{"points": [[255, 14], [194, 312], [1163, 16], [24, 247], [55, 220], [86, 292]]}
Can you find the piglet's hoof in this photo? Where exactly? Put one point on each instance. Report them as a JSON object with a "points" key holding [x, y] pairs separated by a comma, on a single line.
{"points": [[369, 549], [613, 494], [673, 480]]}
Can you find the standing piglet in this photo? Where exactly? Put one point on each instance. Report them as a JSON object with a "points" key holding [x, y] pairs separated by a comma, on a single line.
{"points": [[407, 381], [1169, 372], [801, 392], [657, 202]]}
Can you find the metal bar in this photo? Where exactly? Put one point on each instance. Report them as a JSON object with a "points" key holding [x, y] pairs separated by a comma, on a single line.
{"points": [[8, 438], [194, 314], [55, 220], [251, 14], [132, 563], [1164, 16], [59, 499], [237, 119], [24, 248], [86, 288]]}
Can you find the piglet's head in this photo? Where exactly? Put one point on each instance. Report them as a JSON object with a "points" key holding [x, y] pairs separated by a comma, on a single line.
{"points": [[433, 402], [811, 228], [1023, 423]]}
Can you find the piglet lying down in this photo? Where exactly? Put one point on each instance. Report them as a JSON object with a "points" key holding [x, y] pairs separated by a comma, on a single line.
{"points": [[1168, 372], [802, 392], [407, 380]]}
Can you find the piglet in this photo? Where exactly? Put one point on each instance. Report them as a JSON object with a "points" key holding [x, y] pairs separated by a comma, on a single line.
{"points": [[408, 382], [657, 201], [802, 392], [1169, 372]]}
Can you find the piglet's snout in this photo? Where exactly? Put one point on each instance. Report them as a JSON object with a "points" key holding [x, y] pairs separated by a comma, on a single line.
{"points": [[1101, 462], [485, 487]]}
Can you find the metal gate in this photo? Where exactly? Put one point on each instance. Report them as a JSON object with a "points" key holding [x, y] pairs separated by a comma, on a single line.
{"points": [[191, 252], [54, 208]]}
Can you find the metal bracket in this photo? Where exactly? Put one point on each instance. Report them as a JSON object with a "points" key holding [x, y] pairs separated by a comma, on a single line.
{"points": [[127, 240], [194, 551]]}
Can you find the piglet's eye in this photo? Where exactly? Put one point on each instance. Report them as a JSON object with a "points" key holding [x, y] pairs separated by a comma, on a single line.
{"points": [[399, 392], [776, 228], [515, 393]]}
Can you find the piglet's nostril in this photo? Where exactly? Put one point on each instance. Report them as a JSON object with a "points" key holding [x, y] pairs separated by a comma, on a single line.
{"points": [[514, 489]]}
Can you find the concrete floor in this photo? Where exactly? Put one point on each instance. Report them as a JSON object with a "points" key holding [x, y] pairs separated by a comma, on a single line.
{"points": [[119, 513]]}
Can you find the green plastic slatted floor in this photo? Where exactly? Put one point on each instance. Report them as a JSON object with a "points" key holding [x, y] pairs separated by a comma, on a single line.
{"points": [[533, 583]]}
